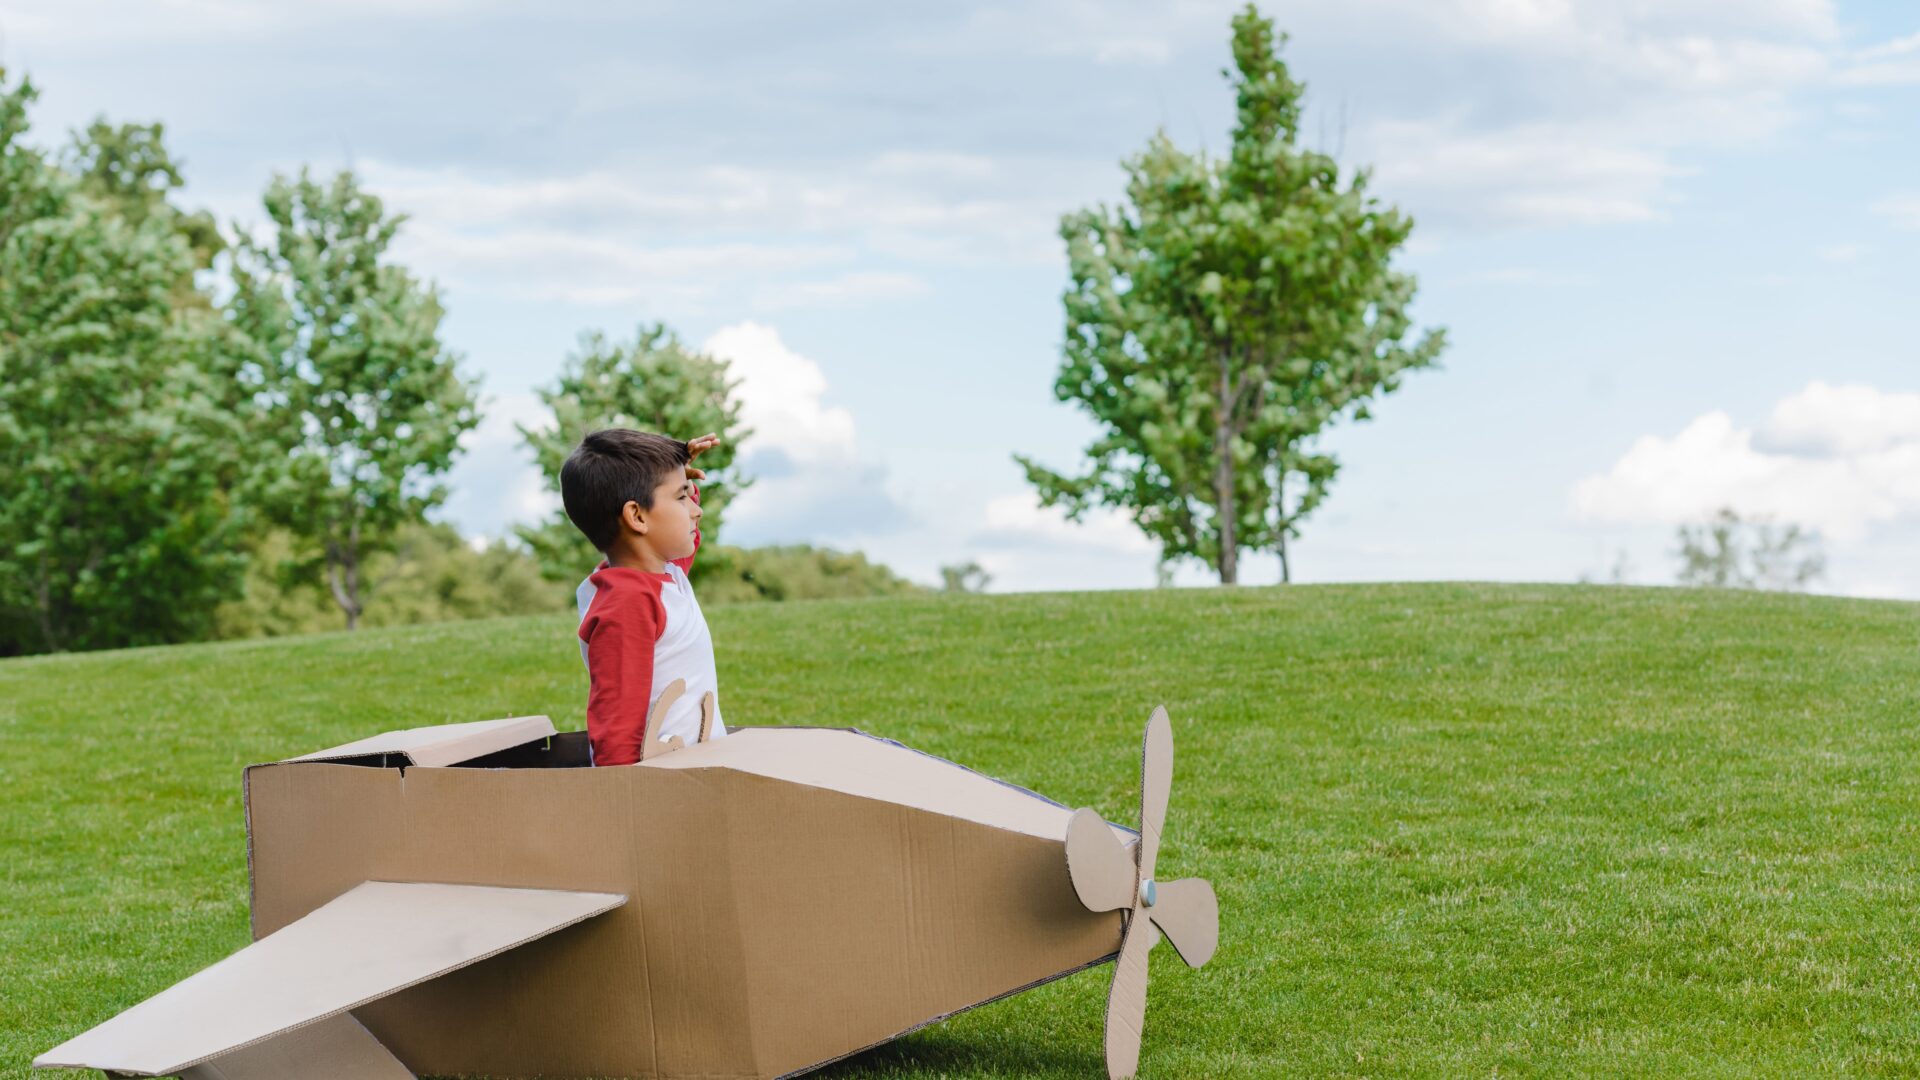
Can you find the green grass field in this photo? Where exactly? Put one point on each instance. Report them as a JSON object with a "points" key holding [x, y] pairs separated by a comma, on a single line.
{"points": [[1457, 830]]}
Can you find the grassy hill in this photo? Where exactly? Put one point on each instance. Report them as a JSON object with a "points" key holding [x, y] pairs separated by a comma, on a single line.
{"points": [[1455, 829]]}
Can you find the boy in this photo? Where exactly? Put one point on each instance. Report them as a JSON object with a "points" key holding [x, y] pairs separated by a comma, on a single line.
{"points": [[632, 494]]}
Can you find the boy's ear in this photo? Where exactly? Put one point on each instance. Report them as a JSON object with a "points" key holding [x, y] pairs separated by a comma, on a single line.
{"points": [[634, 518]]}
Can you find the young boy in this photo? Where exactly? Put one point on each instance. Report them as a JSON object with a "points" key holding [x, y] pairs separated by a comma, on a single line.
{"points": [[632, 494]]}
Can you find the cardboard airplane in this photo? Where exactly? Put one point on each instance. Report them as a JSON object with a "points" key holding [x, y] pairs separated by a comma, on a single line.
{"points": [[756, 905]]}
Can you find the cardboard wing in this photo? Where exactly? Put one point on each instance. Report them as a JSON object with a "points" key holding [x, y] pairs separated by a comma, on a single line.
{"points": [[376, 939]]}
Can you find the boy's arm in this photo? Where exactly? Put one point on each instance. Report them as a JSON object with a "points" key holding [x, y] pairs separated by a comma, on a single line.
{"points": [[620, 630], [696, 447]]}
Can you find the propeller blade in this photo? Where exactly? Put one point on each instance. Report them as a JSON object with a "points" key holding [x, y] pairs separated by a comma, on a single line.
{"points": [[1189, 915], [1156, 781], [1127, 999], [1104, 875]]}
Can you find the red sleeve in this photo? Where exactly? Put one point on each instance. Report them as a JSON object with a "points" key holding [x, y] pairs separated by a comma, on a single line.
{"points": [[623, 624], [686, 564]]}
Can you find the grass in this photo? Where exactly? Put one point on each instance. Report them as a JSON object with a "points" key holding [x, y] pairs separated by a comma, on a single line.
{"points": [[1455, 829]]}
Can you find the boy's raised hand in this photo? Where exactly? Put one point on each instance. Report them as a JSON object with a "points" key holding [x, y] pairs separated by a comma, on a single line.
{"points": [[696, 447]]}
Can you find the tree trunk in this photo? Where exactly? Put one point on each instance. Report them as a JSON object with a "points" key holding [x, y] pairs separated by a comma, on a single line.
{"points": [[1280, 510], [43, 612], [343, 575], [1225, 513]]}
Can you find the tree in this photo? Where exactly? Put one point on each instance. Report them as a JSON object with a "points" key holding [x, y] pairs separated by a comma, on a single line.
{"points": [[432, 575], [129, 168], [366, 404], [967, 577], [1731, 552], [652, 383], [117, 449], [1222, 319]]}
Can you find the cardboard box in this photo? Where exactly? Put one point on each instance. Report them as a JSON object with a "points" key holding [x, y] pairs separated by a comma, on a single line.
{"points": [[752, 906]]}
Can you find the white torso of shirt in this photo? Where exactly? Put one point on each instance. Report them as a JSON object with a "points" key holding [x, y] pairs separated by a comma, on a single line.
{"points": [[684, 651]]}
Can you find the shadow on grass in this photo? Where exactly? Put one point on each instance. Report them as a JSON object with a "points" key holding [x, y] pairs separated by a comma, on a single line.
{"points": [[936, 1053]]}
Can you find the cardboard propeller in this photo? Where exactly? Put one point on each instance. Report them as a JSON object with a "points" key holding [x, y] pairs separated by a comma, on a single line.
{"points": [[1109, 878]]}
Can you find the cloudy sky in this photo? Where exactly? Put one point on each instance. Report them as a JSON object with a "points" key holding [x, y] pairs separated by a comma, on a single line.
{"points": [[1676, 244]]}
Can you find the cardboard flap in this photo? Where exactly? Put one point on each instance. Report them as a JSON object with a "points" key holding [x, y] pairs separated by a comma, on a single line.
{"points": [[447, 744], [374, 940]]}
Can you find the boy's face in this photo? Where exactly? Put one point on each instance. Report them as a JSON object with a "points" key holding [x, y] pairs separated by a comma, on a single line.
{"points": [[667, 528]]}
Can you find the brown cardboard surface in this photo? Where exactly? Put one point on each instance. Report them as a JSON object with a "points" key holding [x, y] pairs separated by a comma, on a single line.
{"points": [[337, 1048], [1189, 915], [374, 939], [795, 895], [446, 744], [1127, 999], [1104, 874]]}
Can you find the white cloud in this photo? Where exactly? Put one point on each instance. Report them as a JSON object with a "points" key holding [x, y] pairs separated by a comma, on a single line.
{"points": [[853, 287], [109, 22], [1019, 520], [494, 482], [1903, 210], [1561, 112], [717, 233], [1891, 63], [1529, 175], [1840, 460], [581, 268], [1841, 421], [812, 483], [1841, 254]]}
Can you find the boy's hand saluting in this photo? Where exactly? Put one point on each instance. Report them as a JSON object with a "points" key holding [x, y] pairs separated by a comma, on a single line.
{"points": [[696, 447]]}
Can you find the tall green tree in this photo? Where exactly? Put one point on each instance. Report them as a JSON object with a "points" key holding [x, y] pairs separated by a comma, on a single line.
{"points": [[366, 404], [1223, 317], [118, 453], [651, 383], [129, 168]]}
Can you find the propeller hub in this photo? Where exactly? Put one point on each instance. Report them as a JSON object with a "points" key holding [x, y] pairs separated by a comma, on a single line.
{"points": [[1148, 894]]}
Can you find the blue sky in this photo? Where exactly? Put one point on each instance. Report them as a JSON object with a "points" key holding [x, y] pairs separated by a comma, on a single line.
{"points": [[1674, 244]]}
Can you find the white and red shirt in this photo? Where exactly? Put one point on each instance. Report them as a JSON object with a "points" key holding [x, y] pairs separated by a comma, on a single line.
{"points": [[638, 633]]}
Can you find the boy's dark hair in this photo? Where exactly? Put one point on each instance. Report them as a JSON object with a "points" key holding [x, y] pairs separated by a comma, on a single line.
{"points": [[611, 468]]}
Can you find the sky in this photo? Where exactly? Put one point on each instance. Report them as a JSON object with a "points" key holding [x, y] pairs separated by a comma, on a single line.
{"points": [[1675, 245]]}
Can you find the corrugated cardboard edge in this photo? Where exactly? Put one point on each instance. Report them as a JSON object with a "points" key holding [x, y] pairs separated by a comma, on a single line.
{"points": [[618, 900], [1107, 959]]}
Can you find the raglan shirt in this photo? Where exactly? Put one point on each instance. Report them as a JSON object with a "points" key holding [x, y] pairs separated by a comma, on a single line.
{"points": [[638, 633]]}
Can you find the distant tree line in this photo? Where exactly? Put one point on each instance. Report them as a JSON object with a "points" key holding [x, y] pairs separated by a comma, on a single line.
{"points": [[216, 432]]}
